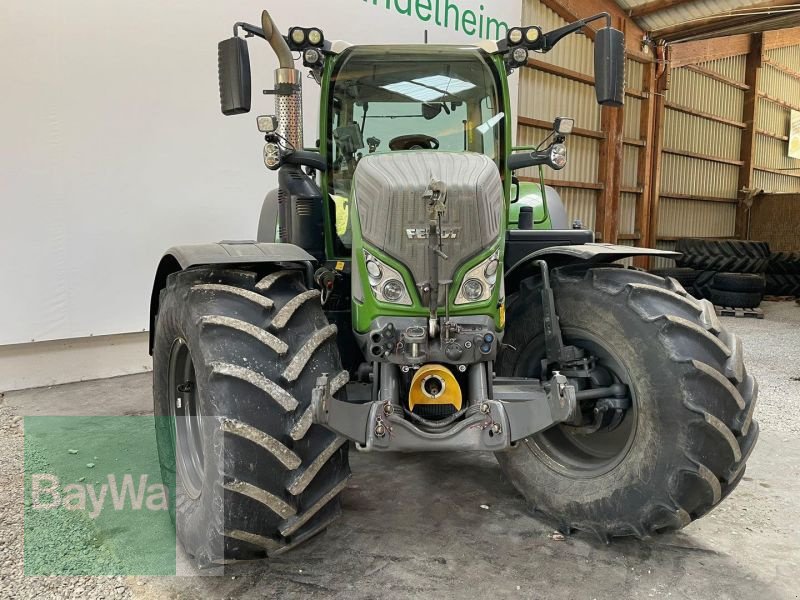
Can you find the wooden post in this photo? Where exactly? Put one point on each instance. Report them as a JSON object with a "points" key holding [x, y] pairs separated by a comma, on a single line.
{"points": [[644, 166], [609, 167], [610, 175], [748, 146], [661, 84]]}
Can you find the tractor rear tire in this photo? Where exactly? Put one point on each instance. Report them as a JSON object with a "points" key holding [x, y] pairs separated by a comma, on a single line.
{"points": [[735, 299], [683, 444], [252, 476], [732, 256], [739, 282], [685, 276], [784, 263], [782, 285]]}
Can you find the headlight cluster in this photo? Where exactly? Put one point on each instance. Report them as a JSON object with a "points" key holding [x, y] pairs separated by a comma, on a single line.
{"points": [[558, 156], [386, 283], [479, 281]]}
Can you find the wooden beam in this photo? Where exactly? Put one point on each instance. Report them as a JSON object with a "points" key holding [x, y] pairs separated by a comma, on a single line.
{"points": [[698, 198], [650, 7], [609, 166], [552, 69], [778, 101], [717, 77], [780, 38], [717, 159], [629, 236], [776, 136], [780, 67], [573, 10], [786, 172], [717, 23], [752, 76], [644, 167], [578, 131], [704, 115], [546, 67], [690, 53], [630, 190], [578, 185], [634, 142]]}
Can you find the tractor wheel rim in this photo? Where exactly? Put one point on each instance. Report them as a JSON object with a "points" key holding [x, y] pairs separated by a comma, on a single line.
{"points": [[187, 420], [593, 455]]}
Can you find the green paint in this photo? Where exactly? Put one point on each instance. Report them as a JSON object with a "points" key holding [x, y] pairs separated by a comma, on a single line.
{"points": [[530, 194]]}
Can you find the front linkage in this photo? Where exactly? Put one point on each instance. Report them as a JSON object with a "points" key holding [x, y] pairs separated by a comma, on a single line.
{"points": [[504, 410]]}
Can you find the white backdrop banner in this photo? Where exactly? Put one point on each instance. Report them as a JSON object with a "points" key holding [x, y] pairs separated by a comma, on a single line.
{"points": [[114, 147]]}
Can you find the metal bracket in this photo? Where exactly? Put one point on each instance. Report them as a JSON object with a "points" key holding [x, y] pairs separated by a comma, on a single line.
{"points": [[520, 408], [557, 352]]}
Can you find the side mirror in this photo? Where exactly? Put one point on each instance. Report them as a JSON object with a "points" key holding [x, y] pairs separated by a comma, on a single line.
{"points": [[234, 76], [609, 66]]}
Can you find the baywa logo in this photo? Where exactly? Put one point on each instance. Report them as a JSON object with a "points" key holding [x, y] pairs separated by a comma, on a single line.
{"points": [[95, 501], [450, 15], [47, 494]]}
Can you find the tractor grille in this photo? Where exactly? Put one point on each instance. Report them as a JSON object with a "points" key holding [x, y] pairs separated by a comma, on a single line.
{"points": [[389, 192]]}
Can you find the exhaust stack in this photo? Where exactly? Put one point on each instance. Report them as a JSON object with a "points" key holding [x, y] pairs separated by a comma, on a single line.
{"points": [[289, 96]]}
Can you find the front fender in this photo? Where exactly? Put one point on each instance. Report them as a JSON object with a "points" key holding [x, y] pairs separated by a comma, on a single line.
{"points": [[225, 253], [559, 256]]}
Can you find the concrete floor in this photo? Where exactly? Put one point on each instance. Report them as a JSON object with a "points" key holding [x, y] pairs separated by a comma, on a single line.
{"points": [[414, 525]]}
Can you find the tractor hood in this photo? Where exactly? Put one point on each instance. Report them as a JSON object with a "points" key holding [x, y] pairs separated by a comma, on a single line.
{"points": [[393, 213]]}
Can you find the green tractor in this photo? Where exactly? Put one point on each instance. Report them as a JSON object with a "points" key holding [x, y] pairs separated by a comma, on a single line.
{"points": [[407, 293]]}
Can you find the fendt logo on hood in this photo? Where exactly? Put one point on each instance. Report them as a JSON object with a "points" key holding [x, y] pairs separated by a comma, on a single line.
{"points": [[421, 233]]}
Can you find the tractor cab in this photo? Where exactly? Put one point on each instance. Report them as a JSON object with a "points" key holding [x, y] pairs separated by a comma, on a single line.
{"points": [[406, 98]]}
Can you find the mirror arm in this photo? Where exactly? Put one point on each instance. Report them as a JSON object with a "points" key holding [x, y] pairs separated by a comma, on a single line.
{"points": [[551, 38], [528, 159], [306, 158], [250, 30]]}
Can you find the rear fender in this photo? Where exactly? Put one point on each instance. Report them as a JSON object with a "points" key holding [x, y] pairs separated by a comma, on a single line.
{"points": [[559, 256], [179, 258]]}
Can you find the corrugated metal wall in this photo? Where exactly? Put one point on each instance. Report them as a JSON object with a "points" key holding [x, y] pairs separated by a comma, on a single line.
{"points": [[781, 92], [698, 196], [701, 158], [544, 96]]}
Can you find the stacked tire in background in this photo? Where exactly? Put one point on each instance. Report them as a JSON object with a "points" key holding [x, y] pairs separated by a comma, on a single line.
{"points": [[729, 273], [783, 274]]}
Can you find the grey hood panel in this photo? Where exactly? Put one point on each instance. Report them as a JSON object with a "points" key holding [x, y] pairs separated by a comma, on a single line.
{"points": [[389, 192]]}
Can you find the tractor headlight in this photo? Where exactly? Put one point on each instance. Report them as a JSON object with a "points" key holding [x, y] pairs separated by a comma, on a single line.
{"points": [[558, 156], [520, 55], [532, 34], [515, 35], [490, 273], [315, 37], [386, 283], [472, 289], [393, 290], [297, 35], [479, 281], [374, 270]]}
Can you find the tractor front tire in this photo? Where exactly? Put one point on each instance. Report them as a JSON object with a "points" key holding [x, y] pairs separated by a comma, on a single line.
{"points": [[682, 445], [235, 358]]}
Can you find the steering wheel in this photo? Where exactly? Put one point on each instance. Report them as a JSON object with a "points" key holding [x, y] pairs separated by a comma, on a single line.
{"points": [[415, 141]]}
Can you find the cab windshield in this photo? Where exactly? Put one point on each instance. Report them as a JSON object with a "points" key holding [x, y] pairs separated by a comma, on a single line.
{"points": [[408, 98]]}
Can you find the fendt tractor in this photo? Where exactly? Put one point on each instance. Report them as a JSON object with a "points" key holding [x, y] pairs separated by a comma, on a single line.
{"points": [[407, 293]]}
